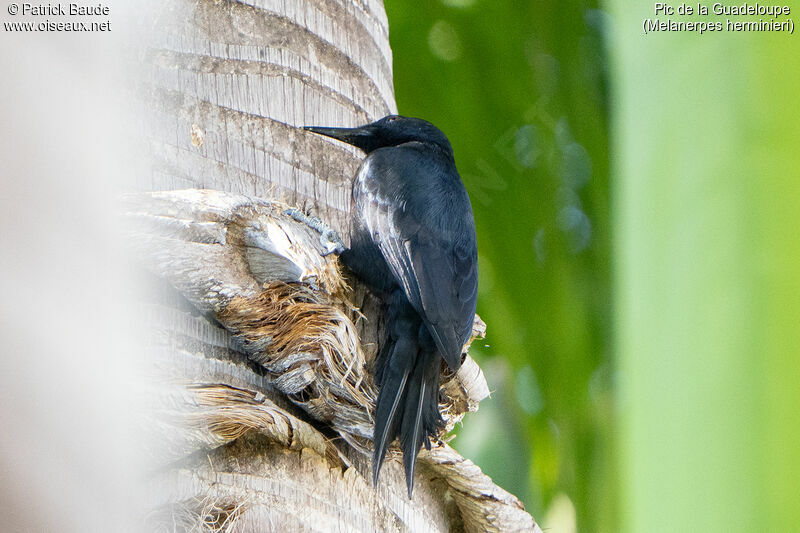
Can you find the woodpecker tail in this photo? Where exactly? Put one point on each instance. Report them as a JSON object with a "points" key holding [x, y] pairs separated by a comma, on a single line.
{"points": [[407, 373]]}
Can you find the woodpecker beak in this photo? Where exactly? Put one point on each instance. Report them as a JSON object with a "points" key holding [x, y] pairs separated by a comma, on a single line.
{"points": [[362, 137]]}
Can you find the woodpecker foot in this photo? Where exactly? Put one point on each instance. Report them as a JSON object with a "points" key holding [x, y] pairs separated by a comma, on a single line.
{"points": [[328, 238]]}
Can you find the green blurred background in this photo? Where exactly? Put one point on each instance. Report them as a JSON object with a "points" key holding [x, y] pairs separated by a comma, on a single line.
{"points": [[635, 198]]}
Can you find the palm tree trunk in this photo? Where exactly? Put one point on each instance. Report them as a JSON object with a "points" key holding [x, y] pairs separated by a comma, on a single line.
{"points": [[241, 447]]}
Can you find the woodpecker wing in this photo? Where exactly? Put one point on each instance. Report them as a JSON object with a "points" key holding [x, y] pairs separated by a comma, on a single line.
{"points": [[414, 205]]}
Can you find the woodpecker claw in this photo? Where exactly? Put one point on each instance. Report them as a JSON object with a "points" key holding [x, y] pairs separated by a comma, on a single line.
{"points": [[328, 238]]}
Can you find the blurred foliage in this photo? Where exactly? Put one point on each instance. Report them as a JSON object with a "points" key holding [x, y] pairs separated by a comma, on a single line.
{"points": [[706, 378], [708, 276], [520, 90]]}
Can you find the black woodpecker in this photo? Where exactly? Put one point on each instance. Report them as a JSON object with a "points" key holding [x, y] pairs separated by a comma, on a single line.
{"points": [[412, 240]]}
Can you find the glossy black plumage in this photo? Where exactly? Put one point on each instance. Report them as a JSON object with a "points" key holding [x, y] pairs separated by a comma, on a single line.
{"points": [[412, 240]]}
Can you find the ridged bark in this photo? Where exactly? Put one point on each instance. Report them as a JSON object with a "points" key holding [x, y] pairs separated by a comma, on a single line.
{"points": [[241, 446]]}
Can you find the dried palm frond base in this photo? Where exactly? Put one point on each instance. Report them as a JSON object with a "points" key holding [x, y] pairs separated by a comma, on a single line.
{"points": [[238, 434], [303, 339]]}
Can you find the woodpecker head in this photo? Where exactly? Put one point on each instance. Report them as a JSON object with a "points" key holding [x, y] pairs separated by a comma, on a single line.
{"points": [[392, 130]]}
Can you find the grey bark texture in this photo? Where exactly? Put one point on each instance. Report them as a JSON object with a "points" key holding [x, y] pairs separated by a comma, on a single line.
{"points": [[260, 410]]}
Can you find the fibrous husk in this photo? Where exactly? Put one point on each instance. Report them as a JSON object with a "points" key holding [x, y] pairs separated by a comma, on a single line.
{"points": [[261, 272], [297, 324]]}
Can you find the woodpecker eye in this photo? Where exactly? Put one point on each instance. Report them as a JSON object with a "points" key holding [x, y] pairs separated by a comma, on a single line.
{"points": [[391, 119]]}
